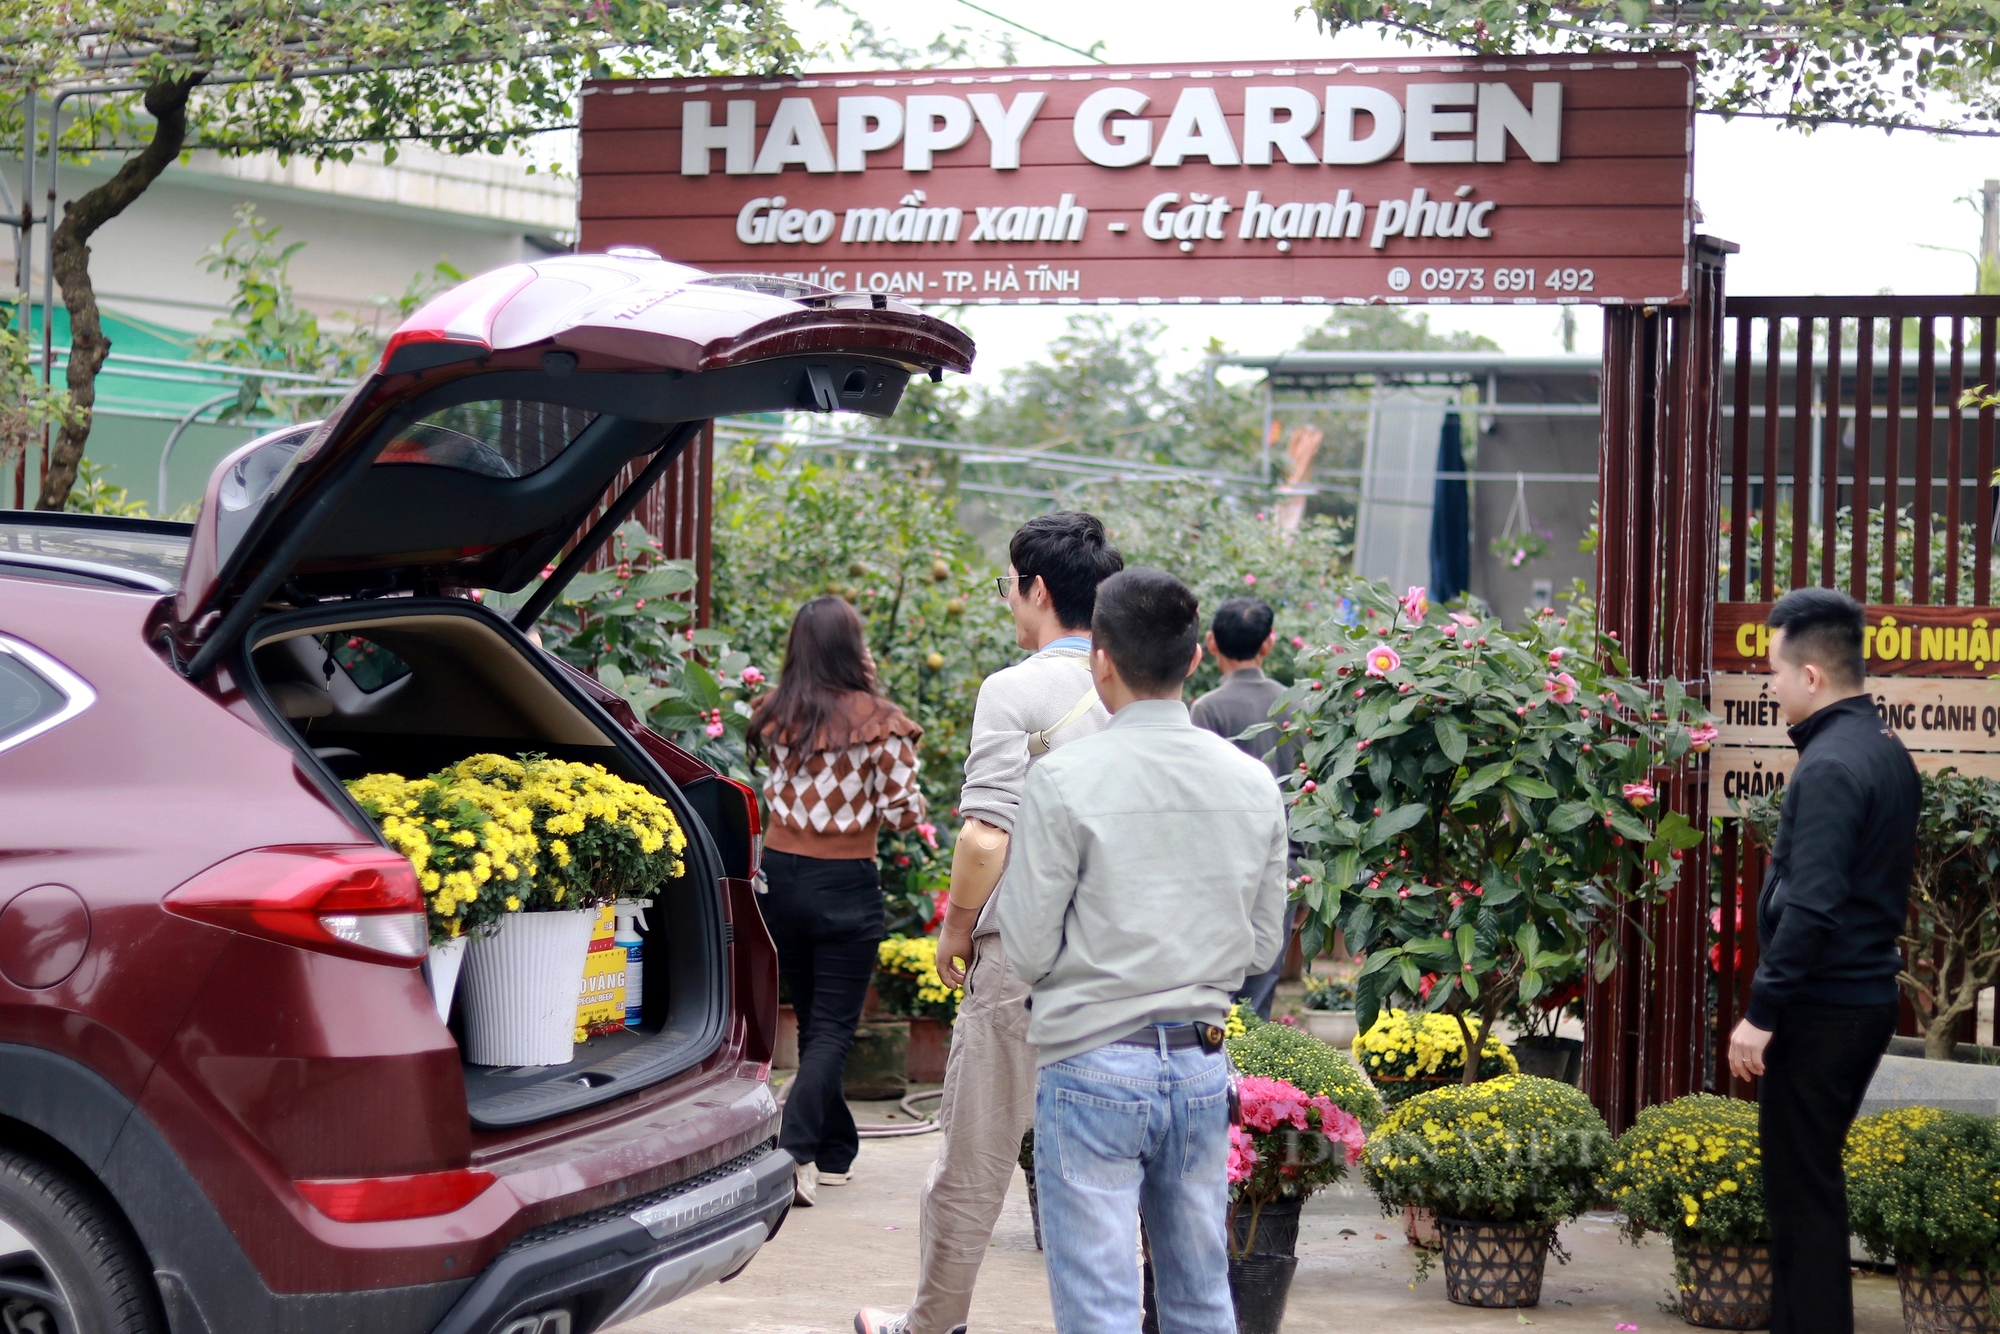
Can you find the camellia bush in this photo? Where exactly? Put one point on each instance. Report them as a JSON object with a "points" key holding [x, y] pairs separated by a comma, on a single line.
{"points": [[1474, 801]]}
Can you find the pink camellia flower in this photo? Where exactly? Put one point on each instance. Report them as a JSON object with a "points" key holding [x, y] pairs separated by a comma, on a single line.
{"points": [[753, 676], [928, 833], [1640, 794], [1467, 621], [1382, 660], [1249, 581], [1702, 735], [1242, 1155], [1556, 655], [1298, 642], [1416, 604], [1451, 632], [1561, 687]]}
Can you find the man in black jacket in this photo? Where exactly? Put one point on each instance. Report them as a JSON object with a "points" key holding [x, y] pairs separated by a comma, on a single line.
{"points": [[1823, 1003]]}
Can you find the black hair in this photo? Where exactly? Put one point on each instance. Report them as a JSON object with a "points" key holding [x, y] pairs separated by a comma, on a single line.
{"points": [[1071, 553], [1822, 626], [1147, 621], [826, 659], [1240, 627]]}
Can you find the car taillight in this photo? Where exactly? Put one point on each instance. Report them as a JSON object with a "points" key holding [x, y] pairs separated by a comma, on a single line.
{"points": [[749, 795], [362, 902], [379, 1199]]}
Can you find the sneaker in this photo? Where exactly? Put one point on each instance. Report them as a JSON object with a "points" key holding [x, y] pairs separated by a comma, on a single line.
{"points": [[836, 1178], [868, 1320], [805, 1185]]}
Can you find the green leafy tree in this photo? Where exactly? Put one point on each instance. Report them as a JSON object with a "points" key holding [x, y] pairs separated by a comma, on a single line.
{"points": [[1476, 802], [1931, 61], [27, 406], [267, 329], [1223, 547], [321, 81]]}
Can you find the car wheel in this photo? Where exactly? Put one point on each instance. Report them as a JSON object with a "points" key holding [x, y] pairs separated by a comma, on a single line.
{"points": [[68, 1264]]}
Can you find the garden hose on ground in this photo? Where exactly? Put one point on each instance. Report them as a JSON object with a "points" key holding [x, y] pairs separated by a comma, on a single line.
{"points": [[921, 1123]]}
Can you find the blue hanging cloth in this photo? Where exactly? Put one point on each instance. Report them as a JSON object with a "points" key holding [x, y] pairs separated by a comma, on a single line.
{"points": [[1451, 521]]}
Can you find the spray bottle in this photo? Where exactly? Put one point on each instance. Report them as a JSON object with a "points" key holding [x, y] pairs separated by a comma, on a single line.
{"points": [[631, 915]]}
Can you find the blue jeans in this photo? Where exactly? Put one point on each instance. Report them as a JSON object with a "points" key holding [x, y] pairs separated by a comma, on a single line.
{"points": [[1122, 1132]]}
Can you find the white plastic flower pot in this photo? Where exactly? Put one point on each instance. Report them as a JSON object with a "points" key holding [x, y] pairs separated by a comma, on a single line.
{"points": [[521, 988], [441, 967]]}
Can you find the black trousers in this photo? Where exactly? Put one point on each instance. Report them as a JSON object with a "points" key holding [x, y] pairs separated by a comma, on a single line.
{"points": [[826, 918], [1816, 1070]]}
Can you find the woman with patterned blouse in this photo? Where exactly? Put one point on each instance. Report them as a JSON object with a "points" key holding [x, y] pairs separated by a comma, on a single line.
{"points": [[842, 763]]}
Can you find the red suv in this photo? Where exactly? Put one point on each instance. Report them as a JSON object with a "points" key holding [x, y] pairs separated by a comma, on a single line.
{"points": [[227, 1102]]}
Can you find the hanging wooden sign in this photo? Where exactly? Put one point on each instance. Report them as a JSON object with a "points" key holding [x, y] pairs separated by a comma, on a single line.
{"points": [[1944, 723], [1482, 181], [1897, 641]]}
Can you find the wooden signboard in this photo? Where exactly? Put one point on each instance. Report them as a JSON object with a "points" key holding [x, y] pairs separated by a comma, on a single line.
{"points": [[1944, 723], [1483, 181], [1898, 641]]}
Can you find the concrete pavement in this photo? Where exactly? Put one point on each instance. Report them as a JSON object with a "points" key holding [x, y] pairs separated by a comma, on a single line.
{"points": [[858, 1247]]}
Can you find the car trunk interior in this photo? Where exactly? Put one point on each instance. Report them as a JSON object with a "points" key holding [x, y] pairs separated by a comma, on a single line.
{"points": [[410, 689]]}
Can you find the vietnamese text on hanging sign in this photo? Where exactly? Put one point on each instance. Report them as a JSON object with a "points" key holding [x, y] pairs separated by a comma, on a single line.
{"points": [[1491, 182], [1896, 641], [1944, 723]]}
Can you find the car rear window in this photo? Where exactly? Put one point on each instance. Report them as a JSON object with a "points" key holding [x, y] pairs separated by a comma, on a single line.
{"points": [[503, 438], [36, 693], [159, 554], [367, 663]]}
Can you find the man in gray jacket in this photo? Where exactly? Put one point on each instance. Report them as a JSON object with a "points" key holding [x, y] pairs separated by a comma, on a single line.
{"points": [[1240, 638], [1148, 878], [1056, 562]]}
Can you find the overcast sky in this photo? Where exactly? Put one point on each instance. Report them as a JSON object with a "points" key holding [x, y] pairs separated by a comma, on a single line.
{"points": [[1841, 211]]}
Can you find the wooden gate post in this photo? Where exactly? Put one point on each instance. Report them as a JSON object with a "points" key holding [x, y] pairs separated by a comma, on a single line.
{"points": [[1658, 497]]}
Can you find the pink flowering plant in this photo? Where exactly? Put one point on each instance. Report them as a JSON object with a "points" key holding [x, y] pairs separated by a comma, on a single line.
{"points": [[1474, 800], [1289, 1145]]}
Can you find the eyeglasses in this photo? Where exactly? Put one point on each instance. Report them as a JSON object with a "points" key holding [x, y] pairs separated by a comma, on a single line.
{"points": [[1000, 582]]}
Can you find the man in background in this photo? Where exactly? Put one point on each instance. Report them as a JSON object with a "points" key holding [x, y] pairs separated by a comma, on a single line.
{"points": [[1148, 878], [1240, 637], [1055, 563], [1824, 1000]]}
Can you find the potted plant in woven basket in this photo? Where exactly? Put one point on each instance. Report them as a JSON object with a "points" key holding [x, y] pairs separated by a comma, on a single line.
{"points": [[1306, 1113], [583, 838], [1691, 1171], [1923, 1188], [1501, 1162], [907, 981]]}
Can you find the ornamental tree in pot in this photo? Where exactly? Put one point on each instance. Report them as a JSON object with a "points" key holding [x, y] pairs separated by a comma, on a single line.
{"points": [[1923, 1189], [1951, 943], [1501, 1163], [1475, 801], [1691, 1170]]}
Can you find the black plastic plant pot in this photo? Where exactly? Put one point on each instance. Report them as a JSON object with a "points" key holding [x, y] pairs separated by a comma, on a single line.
{"points": [[1259, 1285], [1277, 1224]]}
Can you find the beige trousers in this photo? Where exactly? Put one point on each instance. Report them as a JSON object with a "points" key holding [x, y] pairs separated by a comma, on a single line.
{"points": [[989, 1104]]}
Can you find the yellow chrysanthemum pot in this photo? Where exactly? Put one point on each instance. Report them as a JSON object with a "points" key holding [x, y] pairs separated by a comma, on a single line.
{"points": [[521, 981]]}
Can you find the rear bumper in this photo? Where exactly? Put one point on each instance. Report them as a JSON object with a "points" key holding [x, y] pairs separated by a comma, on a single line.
{"points": [[617, 1262]]}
